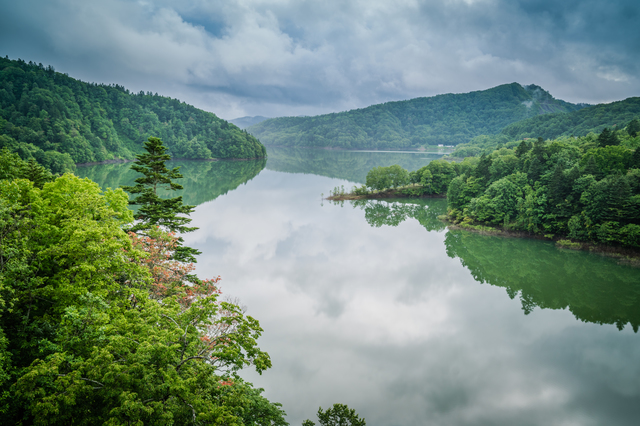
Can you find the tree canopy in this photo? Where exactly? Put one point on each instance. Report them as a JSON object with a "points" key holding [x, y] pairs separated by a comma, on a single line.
{"points": [[59, 121], [98, 326]]}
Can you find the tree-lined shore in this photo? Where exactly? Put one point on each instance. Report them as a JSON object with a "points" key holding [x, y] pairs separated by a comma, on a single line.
{"points": [[60, 121], [576, 189]]}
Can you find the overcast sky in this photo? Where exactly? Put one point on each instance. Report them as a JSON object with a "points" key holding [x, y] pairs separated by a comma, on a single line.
{"points": [[306, 57]]}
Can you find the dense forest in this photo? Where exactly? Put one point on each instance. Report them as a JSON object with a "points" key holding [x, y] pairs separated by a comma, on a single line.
{"points": [[444, 119], [585, 188], [60, 121], [577, 123], [592, 119]]}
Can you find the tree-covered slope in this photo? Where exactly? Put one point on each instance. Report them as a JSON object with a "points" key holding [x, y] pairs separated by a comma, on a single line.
{"points": [[60, 121], [444, 119], [577, 123], [244, 122], [593, 119]]}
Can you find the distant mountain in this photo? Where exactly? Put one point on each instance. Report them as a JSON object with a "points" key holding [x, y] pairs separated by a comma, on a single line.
{"points": [[444, 119], [577, 123], [61, 121], [244, 122]]}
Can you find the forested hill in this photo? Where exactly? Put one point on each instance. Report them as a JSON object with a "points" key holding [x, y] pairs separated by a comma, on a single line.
{"points": [[59, 121], [244, 122], [444, 119], [577, 123]]}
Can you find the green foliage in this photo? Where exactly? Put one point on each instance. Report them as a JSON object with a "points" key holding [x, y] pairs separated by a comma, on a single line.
{"points": [[360, 190], [448, 119], [570, 187], [155, 211], [60, 121], [576, 123], [13, 167], [608, 138], [338, 415], [98, 327], [380, 178], [633, 128]]}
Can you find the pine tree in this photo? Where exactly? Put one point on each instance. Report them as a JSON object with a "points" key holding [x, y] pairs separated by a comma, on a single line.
{"points": [[635, 159], [36, 173], [591, 168], [633, 128], [608, 137], [154, 210]]}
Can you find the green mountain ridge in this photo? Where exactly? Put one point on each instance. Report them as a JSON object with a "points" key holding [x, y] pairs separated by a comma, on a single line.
{"points": [[590, 120], [576, 123], [244, 122], [448, 119], [59, 121]]}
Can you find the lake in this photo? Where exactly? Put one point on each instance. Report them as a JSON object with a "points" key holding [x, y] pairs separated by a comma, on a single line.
{"points": [[379, 306]]}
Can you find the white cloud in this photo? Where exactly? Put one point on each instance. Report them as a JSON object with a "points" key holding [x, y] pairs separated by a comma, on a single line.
{"points": [[286, 57]]}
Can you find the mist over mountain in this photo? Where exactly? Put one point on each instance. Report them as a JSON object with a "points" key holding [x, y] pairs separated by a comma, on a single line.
{"points": [[244, 122]]}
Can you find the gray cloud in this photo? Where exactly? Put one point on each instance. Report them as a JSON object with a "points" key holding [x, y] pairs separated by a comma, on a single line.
{"points": [[293, 57]]}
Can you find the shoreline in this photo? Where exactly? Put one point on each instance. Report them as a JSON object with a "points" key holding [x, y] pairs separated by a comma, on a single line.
{"points": [[391, 193], [122, 160], [625, 255]]}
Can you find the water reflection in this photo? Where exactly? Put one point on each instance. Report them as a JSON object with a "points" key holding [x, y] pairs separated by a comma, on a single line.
{"points": [[350, 165], [592, 287], [392, 320], [394, 212], [202, 180]]}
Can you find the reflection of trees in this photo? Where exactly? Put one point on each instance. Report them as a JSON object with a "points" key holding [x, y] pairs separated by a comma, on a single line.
{"points": [[394, 212], [349, 165], [203, 180], [594, 288]]}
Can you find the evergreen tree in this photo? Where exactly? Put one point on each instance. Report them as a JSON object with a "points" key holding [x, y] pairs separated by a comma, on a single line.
{"points": [[633, 128], [523, 148], [608, 137], [36, 173], [635, 160], [154, 210], [558, 186], [591, 168], [482, 169]]}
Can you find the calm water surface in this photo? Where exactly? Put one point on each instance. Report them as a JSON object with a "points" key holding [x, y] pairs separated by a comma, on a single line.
{"points": [[379, 306]]}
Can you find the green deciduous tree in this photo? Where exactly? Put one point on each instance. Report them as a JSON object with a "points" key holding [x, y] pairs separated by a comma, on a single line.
{"points": [[101, 327], [633, 128], [338, 415], [380, 178]]}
